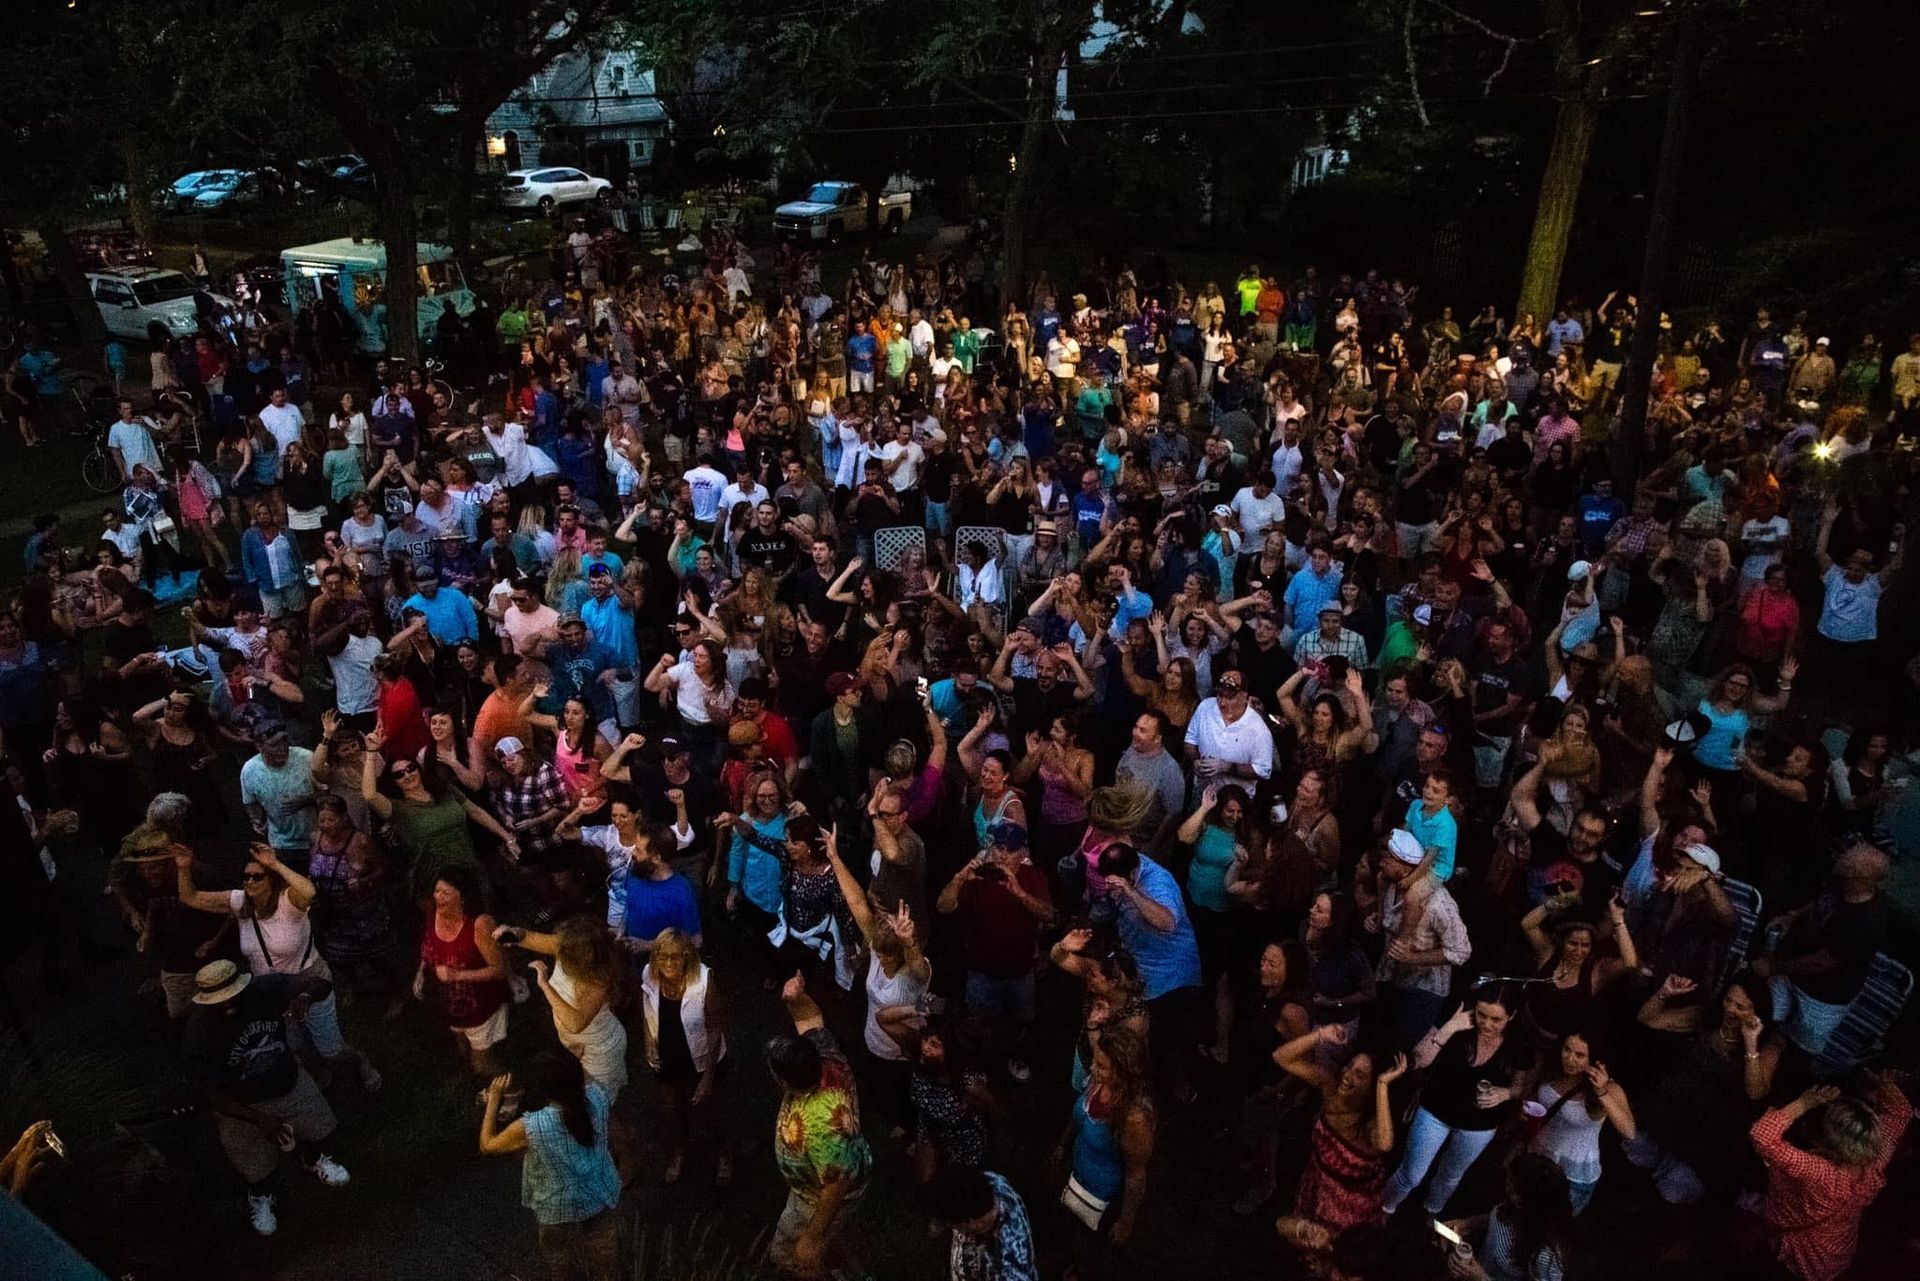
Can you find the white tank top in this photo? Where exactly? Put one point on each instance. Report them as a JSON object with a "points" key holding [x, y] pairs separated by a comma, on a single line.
{"points": [[601, 1046], [902, 989]]}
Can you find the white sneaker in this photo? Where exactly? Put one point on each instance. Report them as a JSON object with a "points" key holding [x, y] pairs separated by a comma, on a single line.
{"points": [[260, 1211], [329, 1172]]}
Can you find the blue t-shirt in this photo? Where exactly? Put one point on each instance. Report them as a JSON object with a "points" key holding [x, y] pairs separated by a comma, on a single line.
{"points": [[653, 906], [1307, 592], [611, 626], [450, 615], [1726, 731], [1168, 961], [1597, 516], [861, 352], [1087, 511]]}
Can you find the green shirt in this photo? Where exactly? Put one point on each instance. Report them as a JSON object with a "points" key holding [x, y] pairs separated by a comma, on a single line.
{"points": [[1248, 288], [511, 327], [899, 353], [966, 348], [341, 467]]}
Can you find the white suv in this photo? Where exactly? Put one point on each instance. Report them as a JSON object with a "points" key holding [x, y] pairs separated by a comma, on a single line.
{"points": [[542, 189], [132, 298]]}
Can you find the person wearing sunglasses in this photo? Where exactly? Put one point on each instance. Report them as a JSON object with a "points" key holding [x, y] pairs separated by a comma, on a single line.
{"points": [[429, 821]]}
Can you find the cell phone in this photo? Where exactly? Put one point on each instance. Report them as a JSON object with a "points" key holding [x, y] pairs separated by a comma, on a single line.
{"points": [[991, 872], [1447, 1234]]}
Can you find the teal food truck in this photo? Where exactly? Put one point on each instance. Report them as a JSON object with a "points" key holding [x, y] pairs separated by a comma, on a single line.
{"points": [[355, 272]]}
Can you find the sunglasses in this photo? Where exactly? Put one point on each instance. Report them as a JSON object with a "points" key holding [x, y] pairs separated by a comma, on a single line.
{"points": [[401, 771], [250, 877]]}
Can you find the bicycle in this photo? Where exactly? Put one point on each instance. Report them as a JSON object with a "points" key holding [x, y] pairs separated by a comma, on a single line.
{"points": [[91, 419]]}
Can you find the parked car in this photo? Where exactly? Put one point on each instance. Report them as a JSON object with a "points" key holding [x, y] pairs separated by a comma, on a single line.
{"points": [[132, 298], [543, 189], [180, 194], [832, 209]]}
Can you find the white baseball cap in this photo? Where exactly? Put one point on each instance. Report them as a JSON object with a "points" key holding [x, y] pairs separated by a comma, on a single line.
{"points": [[1706, 856], [1406, 847]]}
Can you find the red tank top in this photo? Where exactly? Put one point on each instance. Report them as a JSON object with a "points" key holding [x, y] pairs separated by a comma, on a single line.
{"points": [[459, 1004]]}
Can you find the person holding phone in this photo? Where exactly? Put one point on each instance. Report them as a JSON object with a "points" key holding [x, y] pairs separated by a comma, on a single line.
{"points": [[1481, 1069], [1527, 1237]]}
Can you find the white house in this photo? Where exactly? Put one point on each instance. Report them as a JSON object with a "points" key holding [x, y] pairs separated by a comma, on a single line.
{"points": [[594, 108]]}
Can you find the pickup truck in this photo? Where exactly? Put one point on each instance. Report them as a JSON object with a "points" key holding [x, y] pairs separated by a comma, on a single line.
{"points": [[833, 209]]}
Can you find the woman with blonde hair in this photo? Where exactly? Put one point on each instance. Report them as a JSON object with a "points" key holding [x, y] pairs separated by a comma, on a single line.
{"points": [[580, 991], [686, 1047], [566, 584]]}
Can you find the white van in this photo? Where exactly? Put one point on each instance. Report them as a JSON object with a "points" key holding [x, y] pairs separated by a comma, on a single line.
{"points": [[355, 272]]}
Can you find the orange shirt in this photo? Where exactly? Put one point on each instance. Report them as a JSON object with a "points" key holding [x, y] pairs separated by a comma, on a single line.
{"points": [[499, 718]]}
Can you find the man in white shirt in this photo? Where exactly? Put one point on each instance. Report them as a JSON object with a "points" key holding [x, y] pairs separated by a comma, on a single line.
{"points": [[438, 510], [350, 654], [978, 582], [919, 335], [283, 422], [901, 458], [1226, 739], [131, 442], [704, 486], [745, 488], [509, 441], [1063, 362], [1258, 508]]}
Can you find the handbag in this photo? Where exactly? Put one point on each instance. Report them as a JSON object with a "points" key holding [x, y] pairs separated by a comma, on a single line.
{"points": [[1082, 1204]]}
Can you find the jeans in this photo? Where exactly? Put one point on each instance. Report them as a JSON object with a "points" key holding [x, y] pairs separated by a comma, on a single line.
{"points": [[1427, 1138], [1809, 1024], [939, 518], [1416, 540]]}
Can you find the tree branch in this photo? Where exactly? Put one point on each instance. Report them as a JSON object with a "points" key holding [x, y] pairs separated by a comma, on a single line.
{"points": [[1413, 68]]}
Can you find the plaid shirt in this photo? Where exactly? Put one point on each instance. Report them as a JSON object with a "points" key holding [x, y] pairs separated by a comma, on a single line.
{"points": [[1628, 539], [1349, 645], [518, 799]]}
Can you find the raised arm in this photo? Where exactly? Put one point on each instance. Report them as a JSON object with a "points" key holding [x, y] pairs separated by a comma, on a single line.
{"points": [[850, 891], [1296, 1058], [190, 895], [370, 766], [300, 890]]}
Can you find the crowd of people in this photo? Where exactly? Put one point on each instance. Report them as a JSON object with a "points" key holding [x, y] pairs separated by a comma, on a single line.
{"points": [[1271, 675]]}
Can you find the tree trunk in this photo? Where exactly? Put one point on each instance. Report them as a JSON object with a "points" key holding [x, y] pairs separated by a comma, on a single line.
{"points": [[1636, 381], [399, 231], [90, 329], [468, 136], [139, 196], [1573, 129], [1013, 214]]}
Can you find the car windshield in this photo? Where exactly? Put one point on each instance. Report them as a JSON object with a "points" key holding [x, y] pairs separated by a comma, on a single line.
{"points": [[826, 193], [165, 288]]}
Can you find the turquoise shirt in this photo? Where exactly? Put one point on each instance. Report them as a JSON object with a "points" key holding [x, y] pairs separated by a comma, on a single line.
{"points": [[1207, 876], [759, 874], [1439, 832]]}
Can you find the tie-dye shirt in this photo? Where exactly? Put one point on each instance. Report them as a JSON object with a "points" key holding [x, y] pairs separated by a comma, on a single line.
{"points": [[817, 1139]]}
